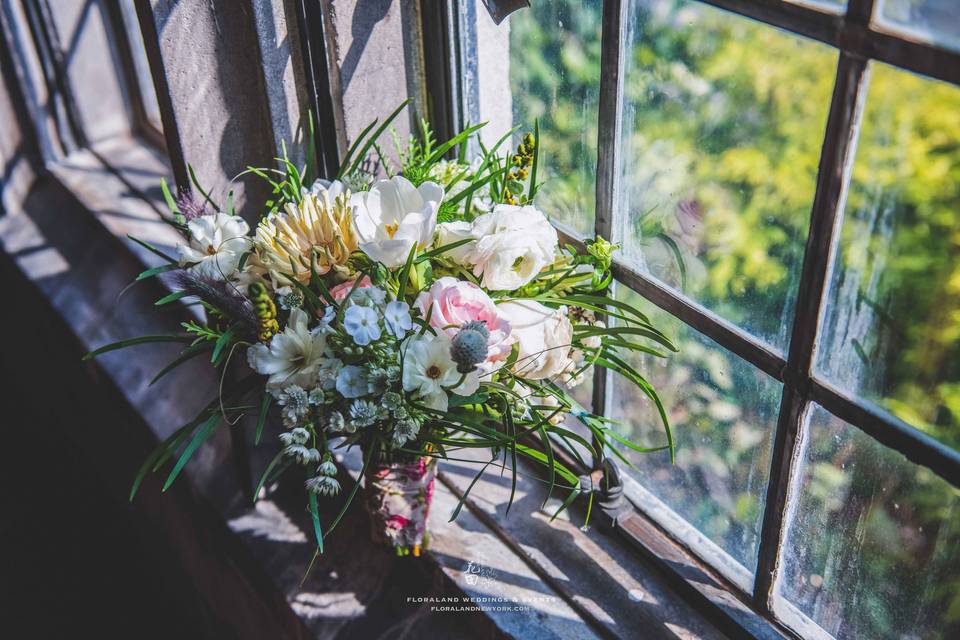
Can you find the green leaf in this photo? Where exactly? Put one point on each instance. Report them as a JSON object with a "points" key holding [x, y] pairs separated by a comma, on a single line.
{"points": [[204, 432], [376, 135], [353, 148], [441, 250], [463, 497], [190, 352], [536, 160], [155, 455], [317, 532], [566, 503], [262, 416], [548, 450], [203, 192], [353, 492], [678, 256], [168, 197], [152, 249], [149, 273], [266, 473], [130, 342], [452, 142], [405, 273], [222, 342], [630, 445], [173, 297]]}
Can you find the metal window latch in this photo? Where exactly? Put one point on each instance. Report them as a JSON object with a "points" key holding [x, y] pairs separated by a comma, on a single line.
{"points": [[500, 9]]}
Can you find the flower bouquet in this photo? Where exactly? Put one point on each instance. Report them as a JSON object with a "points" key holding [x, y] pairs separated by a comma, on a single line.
{"points": [[411, 316]]}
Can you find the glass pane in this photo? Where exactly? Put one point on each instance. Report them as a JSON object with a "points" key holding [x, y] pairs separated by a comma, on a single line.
{"points": [[892, 326], [141, 65], [934, 21], [872, 548], [723, 413], [723, 124], [542, 63]]}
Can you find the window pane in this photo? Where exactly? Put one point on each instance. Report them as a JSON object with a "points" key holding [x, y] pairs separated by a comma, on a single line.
{"points": [[722, 412], [872, 548], [892, 327], [934, 21], [723, 124], [543, 63]]}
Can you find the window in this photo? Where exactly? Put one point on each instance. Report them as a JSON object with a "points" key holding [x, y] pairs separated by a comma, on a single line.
{"points": [[783, 179], [84, 73]]}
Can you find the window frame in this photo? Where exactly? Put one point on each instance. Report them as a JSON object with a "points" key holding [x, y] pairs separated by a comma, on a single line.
{"points": [[858, 42]]}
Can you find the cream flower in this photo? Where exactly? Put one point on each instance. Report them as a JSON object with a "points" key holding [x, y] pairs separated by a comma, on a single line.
{"points": [[429, 371], [294, 356], [514, 244], [317, 229], [544, 336], [393, 216], [510, 245], [217, 242]]}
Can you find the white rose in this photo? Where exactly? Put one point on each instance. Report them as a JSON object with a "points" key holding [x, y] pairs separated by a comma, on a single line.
{"points": [[544, 336], [514, 244], [450, 232]]}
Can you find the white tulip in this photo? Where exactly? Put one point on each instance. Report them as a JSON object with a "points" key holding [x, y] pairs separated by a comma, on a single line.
{"points": [[393, 216]]}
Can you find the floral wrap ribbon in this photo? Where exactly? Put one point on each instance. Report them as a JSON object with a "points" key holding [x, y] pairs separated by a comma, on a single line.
{"points": [[398, 499]]}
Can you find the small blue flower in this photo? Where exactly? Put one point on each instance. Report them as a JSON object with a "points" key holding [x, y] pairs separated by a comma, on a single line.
{"points": [[362, 323], [397, 318], [352, 381]]}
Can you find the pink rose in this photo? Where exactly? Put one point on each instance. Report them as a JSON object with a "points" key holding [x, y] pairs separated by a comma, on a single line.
{"points": [[340, 291], [452, 303]]}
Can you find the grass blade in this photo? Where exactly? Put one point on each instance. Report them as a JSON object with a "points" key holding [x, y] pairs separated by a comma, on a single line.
{"points": [[205, 431], [262, 417], [130, 342]]}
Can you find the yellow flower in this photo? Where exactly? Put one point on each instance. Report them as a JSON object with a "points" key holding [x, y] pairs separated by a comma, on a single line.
{"points": [[318, 230]]}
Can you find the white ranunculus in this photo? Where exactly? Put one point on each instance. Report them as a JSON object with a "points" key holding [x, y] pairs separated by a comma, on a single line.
{"points": [[294, 356], [429, 371], [216, 243], [511, 245], [393, 216], [450, 232], [544, 336]]}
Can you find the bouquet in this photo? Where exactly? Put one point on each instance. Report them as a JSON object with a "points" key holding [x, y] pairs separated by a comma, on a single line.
{"points": [[414, 315]]}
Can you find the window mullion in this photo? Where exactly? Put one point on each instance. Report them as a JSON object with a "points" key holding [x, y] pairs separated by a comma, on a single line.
{"points": [[610, 119], [835, 160]]}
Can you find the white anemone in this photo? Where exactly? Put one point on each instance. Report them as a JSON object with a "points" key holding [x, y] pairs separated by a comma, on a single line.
{"points": [[429, 371], [216, 243], [393, 216]]}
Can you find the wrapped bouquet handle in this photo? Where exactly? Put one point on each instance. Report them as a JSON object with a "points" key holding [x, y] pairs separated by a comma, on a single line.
{"points": [[398, 496]]}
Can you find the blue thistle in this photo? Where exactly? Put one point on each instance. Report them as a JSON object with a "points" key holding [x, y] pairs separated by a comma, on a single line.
{"points": [[469, 347]]}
